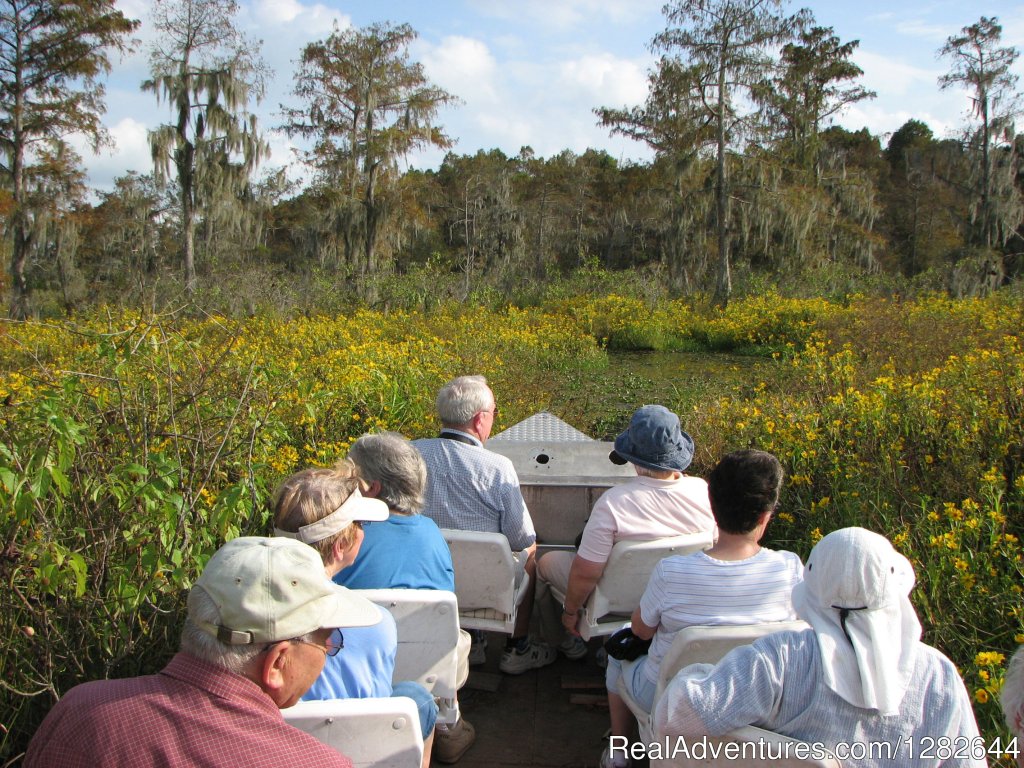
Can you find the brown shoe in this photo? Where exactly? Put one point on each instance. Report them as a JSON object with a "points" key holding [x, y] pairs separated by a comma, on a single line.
{"points": [[451, 745]]}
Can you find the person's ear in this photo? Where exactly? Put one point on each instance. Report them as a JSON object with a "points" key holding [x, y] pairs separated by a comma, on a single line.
{"points": [[338, 550], [373, 490], [272, 668]]}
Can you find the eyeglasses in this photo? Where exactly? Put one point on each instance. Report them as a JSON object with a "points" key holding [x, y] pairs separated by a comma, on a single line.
{"points": [[493, 411], [335, 642], [360, 524]]}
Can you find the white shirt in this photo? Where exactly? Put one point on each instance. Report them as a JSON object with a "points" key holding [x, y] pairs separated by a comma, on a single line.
{"points": [[686, 590], [644, 509]]}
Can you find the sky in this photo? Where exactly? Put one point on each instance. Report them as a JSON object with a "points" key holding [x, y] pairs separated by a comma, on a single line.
{"points": [[531, 72]]}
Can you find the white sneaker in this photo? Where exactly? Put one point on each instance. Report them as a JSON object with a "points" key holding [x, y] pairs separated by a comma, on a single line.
{"points": [[573, 648], [536, 655], [607, 762], [478, 652]]}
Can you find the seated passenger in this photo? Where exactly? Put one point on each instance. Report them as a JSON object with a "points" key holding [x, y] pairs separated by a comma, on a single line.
{"points": [[325, 509], [1012, 700], [262, 618], [661, 502], [406, 551], [470, 488], [737, 581], [859, 678]]}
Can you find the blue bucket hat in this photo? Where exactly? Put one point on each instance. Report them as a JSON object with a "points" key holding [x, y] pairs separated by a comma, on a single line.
{"points": [[654, 440]]}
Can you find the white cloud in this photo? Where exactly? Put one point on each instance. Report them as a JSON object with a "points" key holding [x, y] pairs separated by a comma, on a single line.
{"points": [[129, 151], [605, 80], [937, 33], [276, 11], [891, 76], [463, 67], [566, 14]]}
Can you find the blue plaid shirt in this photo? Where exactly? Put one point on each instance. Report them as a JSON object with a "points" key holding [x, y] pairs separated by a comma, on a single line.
{"points": [[472, 489]]}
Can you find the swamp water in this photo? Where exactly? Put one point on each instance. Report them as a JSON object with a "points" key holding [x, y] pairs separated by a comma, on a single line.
{"points": [[601, 404]]}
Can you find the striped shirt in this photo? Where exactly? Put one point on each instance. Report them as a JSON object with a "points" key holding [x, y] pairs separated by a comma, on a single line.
{"points": [[192, 713], [685, 590], [472, 489]]}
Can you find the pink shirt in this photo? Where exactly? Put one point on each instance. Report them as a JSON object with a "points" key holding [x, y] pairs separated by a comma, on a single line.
{"points": [[191, 713], [644, 509]]}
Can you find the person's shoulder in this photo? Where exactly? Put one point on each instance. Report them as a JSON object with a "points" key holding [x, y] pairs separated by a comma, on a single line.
{"points": [[427, 525], [931, 658], [782, 556], [798, 646], [685, 563], [112, 692], [98, 703]]}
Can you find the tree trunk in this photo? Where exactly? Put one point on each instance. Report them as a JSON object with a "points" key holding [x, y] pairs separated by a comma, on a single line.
{"points": [[723, 283], [20, 305], [20, 300], [188, 225]]}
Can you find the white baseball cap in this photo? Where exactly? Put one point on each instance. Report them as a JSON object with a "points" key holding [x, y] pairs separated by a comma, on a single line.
{"points": [[271, 589]]}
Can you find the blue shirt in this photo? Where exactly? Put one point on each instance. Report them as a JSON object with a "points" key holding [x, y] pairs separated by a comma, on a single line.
{"points": [[404, 552], [472, 489], [364, 667]]}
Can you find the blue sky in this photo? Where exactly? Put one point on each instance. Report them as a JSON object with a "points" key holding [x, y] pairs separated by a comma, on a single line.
{"points": [[530, 72]]}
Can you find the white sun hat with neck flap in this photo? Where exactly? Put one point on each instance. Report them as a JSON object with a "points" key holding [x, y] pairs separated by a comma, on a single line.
{"points": [[855, 594]]}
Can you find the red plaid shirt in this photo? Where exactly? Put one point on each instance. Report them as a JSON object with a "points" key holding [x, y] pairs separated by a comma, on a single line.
{"points": [[190, 714]]}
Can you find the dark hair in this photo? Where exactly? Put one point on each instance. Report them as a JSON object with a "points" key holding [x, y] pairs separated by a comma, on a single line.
{"points": [[742, 486]]}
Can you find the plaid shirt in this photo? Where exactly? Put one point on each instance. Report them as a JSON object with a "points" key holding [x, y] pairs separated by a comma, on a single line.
{"points": [[190, 714], [472, 489]]}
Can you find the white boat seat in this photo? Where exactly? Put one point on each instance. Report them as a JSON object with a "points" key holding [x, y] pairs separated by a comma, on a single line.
{"points": [[383, 733], [624, 579], [485, 580], [428, 635]]}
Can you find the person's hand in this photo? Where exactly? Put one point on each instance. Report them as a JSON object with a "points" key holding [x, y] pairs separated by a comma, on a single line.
{"points": [[569, 622]]}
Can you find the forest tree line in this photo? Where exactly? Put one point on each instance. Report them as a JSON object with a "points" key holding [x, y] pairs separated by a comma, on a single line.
{"points": [[749, 177]]}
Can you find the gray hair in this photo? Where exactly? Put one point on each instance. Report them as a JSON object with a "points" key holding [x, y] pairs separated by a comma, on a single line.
{"points": [[391, 460], [201, 644], [463, 398], [657, 474]]}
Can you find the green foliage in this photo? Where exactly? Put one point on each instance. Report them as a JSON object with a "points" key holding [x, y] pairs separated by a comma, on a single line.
{"points": [[366, 106]]}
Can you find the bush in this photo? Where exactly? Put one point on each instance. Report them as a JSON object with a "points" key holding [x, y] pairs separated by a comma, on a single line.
{"points": [[130, 449]]}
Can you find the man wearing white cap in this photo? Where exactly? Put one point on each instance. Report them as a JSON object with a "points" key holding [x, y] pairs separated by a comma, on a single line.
{"points": [[860, 682], [262, 619]]}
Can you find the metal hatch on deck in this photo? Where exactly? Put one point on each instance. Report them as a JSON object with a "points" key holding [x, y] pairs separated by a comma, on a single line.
{"points": [[562, 473]]}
